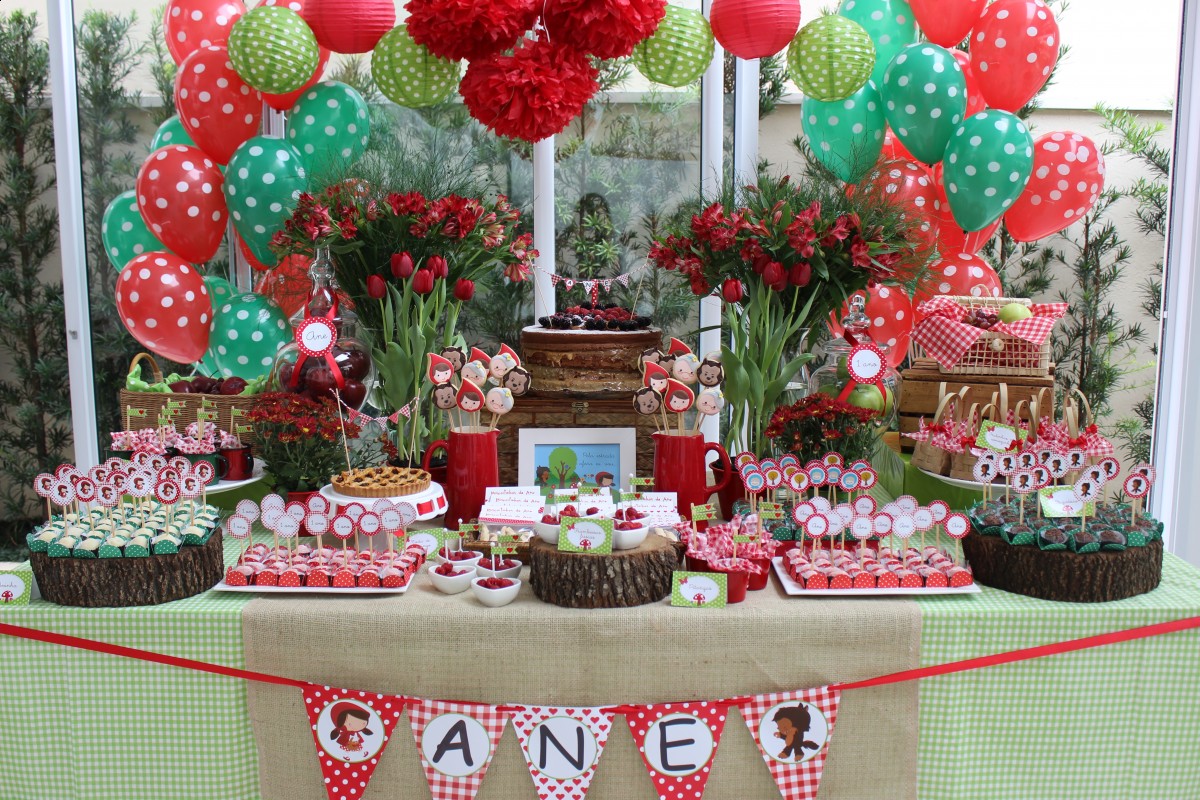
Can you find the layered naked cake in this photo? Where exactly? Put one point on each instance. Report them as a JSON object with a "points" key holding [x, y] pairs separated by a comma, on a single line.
{"points": [[586, 362]]}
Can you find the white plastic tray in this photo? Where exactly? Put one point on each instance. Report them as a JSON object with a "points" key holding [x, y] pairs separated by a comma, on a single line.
{"points": [[796, 590]]}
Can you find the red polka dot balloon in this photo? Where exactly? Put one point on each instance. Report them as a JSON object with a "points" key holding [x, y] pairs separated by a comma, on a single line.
{"points": [[217, 108], [179, 195], [952, 239], [909, 186], [165, 306], [192, 24], [947, 23], [1014, 49], [891, 313], [1068, 176], [894, 149], [961, 274]]}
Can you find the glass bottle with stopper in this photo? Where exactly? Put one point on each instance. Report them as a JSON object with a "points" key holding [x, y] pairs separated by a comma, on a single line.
{"points": [[833, 375]]}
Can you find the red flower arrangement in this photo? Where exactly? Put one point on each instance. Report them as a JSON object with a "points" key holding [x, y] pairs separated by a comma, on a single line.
{"points": [[819, 424], [532, 93], [603, 28], [469, 29], [299, 439]]}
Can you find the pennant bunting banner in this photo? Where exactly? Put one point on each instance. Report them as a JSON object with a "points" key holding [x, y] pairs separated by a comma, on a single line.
{"points": [[589, 286], [351, 730], [456, 742], [678, 742], [792, 731], [562, 747]]}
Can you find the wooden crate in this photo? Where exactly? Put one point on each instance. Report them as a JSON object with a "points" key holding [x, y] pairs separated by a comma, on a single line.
{"points": [[554, 410], [919, 392]]}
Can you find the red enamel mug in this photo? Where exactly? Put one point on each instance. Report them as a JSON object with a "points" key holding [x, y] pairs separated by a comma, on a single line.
{"points": [[679, 467], [472, 465]]}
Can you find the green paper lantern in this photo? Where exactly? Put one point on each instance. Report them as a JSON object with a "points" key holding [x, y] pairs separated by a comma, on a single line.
{"points": [[988, 162], [890, 24], [273, 49], [124, 232], [247, 331], [831, 58], [409, 75], [679, 51], [330, 126], [171, 132], [262, 187], [847, 135]]}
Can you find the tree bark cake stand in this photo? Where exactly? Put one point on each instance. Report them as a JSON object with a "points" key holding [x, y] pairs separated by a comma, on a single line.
{"points": [[623, 579], [1062, 575], [124, 582]]}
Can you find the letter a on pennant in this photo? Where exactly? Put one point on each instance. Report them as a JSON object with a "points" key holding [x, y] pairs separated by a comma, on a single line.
{"points": [[678, 742], [456, 742], [562, 747], [351, 730], [792, 730]]}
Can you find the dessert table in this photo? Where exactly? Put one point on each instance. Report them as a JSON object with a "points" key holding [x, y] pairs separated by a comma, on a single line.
{"points": [[1113, 722]]}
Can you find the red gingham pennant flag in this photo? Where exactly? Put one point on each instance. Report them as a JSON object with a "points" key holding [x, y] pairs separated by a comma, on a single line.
{"points": [[351, 730], [456, 742], [562, 747], [792, 730], [677, 742]]}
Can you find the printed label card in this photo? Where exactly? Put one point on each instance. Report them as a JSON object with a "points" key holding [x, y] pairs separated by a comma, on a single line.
{"points": [[699, 589], [1061, 501], [433, 539], [577, 535], [16, 584], [997, 437]]}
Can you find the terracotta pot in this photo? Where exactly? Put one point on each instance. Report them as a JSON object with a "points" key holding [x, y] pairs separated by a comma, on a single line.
{"points": [[731, 491], [472, 465], [679, 467]]}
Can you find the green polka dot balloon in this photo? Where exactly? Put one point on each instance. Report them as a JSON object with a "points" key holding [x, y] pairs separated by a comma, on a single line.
{"points": [[330, 126], [171, 132], [924, 99], [262, 186], [409, 75], [831, 58], [220, 291], [890, 24], [679, 51], [124, 231], [273, 49], [846, 135], [247, 330], [988, 162]]}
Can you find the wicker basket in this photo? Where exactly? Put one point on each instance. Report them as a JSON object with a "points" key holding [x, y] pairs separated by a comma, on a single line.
{"points": [[996, 353], [925, 455], [153, 403]]}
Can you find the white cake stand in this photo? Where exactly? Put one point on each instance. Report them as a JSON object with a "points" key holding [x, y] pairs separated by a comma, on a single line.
{"points": [[433, 494]]}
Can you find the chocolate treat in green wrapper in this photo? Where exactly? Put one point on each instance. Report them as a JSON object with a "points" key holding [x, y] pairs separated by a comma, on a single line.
{"points": [[1082, 541], [108, 551], [86, 548], [1018, 535], [138, 549], [1051, 537], [1111, 540], [1135, 538], [40, 542], [62, 548], [987, 520], [783, 533]]}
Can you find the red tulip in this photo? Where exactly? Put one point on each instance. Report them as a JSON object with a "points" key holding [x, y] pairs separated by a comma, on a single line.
{"points": [[438, 266], [464, 289], [422, 281], [800, 274], [402, 266], [773, 273], [732, 290], [376, 288]]}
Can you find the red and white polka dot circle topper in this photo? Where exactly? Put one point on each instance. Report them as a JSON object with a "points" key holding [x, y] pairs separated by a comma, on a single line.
{"points": [[1068, 176], [189, 25], [945, 23], [960, 274], [957, 525], [217, 108], [163, 302], [1014, 47], [350, 26], [866, 364], [238, 526], [179, 195], [754, 28], [891, 313], [316, 336]]}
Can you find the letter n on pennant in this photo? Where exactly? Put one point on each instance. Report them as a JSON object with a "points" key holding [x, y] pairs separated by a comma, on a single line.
{"points": [[562, 747]]}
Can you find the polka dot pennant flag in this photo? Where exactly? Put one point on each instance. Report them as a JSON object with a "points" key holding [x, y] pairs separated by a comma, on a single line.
{"points": [[831, 58], [456, 743], [273, 49], [562, 747], [330, 126], [890, 24], [677, 743], [846, 135], [351, 730], [262, 186], [124, 231], [792, 731], [409, 75], [988, 162], [925, 99], [247, 331], [680, 49]]}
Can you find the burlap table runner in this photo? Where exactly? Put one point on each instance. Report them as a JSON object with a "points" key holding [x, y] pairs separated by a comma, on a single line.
{"points": [[450, 647]]}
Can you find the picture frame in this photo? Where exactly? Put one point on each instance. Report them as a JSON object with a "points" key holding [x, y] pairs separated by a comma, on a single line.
{"points": [[548, 457]]}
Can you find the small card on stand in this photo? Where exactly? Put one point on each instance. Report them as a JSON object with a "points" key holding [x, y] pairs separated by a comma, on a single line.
{"points": [[1061, 501], [997, 437], [16, 584], [579, 535], [433, 539], [699, 589]]}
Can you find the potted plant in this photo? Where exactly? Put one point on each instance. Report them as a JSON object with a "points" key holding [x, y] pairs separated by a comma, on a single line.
{"points": [[820, 424], [302, 442]]}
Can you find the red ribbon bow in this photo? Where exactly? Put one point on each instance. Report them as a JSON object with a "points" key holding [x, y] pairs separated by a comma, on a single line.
{"points": [[338, 377]]}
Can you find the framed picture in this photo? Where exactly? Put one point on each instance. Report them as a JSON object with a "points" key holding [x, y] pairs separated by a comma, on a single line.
{"points": [[562, 458]]}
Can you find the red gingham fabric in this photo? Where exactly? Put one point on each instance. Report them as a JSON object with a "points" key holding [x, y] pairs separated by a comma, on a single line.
{"points": [[451, 787], [347, 765], [525, 720], [945, 338], [797, 780], [678, 785]]}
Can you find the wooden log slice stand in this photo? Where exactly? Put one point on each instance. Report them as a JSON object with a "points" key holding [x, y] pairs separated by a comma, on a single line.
{"points": [[623, 579], [1062, 575], [124, 582]]}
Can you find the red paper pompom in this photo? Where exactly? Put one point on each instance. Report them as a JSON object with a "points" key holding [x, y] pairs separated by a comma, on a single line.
{"points": [[604, 28], [531, 94], [469, 29]]}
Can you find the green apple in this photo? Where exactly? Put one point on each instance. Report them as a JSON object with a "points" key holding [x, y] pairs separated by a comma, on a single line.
{"points": [[867, 396], [1013, 312], [843, 370]]}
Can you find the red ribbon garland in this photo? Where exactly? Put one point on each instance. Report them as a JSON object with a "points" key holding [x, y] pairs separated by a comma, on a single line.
{"points": [[329, 359]]}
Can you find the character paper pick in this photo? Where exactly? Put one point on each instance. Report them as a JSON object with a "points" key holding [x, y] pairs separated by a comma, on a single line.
{"points": [[562, 747], [441, 370], [792, 731], [456, 743], [677, 743], [351, 729]]}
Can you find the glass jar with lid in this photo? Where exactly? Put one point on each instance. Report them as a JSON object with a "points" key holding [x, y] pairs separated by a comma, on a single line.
{"points": [[833, 375]]}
